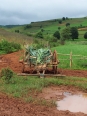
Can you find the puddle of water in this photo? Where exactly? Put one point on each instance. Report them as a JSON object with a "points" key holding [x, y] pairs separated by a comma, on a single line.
{"points": [[73, 103]]}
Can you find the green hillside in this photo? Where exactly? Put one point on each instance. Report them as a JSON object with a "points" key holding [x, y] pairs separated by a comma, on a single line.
{"points": [[27, 32], [50, 26], [14, 37]]}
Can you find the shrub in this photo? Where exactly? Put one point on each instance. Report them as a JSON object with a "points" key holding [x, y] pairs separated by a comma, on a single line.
{"points": [[39, 35], [17, 31], [38, 44], [8, 47], [7, 74], [28, 34], [53, 42], [67, 24], [59, 28]]}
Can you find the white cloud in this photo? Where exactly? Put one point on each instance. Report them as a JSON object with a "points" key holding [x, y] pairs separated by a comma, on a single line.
{"points": [[26, 11]]}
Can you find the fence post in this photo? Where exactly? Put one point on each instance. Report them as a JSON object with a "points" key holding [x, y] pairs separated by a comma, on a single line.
{"points": [[70, 59]]}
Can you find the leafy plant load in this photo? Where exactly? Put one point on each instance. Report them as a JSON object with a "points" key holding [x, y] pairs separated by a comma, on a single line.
{"points": [[38, 56]]}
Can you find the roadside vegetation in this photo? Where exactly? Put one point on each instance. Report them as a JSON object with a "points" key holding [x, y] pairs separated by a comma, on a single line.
{"points": [[28, 87], [14, 37], [8, 47]]}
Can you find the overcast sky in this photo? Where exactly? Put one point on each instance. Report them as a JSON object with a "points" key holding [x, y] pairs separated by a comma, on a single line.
{"points": [[27, 11]]}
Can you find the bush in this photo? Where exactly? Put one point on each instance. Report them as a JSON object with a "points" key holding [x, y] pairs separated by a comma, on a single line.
{"points": [[67, 24], [39, 35], [53, 42], [38, 44], [7, 74], [17, 31], [59, 28], [28, 34], [8, 47]]}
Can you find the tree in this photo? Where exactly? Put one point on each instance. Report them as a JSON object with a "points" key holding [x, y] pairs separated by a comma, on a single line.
{"points": [[60, 21], [67, 18], [63, 18], [74, 33], [59, 28], [66, 34], [67, 24], [28, 26], [57, 34], [85, 35]]}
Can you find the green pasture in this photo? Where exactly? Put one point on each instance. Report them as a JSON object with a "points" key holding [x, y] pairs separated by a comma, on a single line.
{"points": [[79, 54]]}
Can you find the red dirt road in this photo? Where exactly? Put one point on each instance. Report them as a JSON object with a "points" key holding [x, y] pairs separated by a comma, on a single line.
{"points": [[12, 61], [14, 107]]}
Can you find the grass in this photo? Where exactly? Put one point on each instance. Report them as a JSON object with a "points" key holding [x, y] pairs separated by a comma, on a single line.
{"points": [[77, 48], [14, 37], [25, 86]]}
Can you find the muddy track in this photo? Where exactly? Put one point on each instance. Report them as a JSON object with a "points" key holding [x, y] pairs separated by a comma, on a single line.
{"points": [[12, 60]]}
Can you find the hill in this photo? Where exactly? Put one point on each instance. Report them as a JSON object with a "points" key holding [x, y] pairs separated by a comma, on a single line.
{"points": [[50, 26], [15, 37]]}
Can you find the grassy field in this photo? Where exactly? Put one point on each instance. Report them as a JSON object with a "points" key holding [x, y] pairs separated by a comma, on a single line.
{"points": [[14, 37], [78, 48], [26, 87]]}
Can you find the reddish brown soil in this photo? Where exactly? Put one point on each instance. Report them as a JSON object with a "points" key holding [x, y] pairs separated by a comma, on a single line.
{"points": [[14, 107], [12, 60]]}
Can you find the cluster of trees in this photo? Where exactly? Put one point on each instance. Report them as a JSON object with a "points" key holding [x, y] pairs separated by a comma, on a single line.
{"points": [[67, 33], [63, 19], [27, 26]]}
